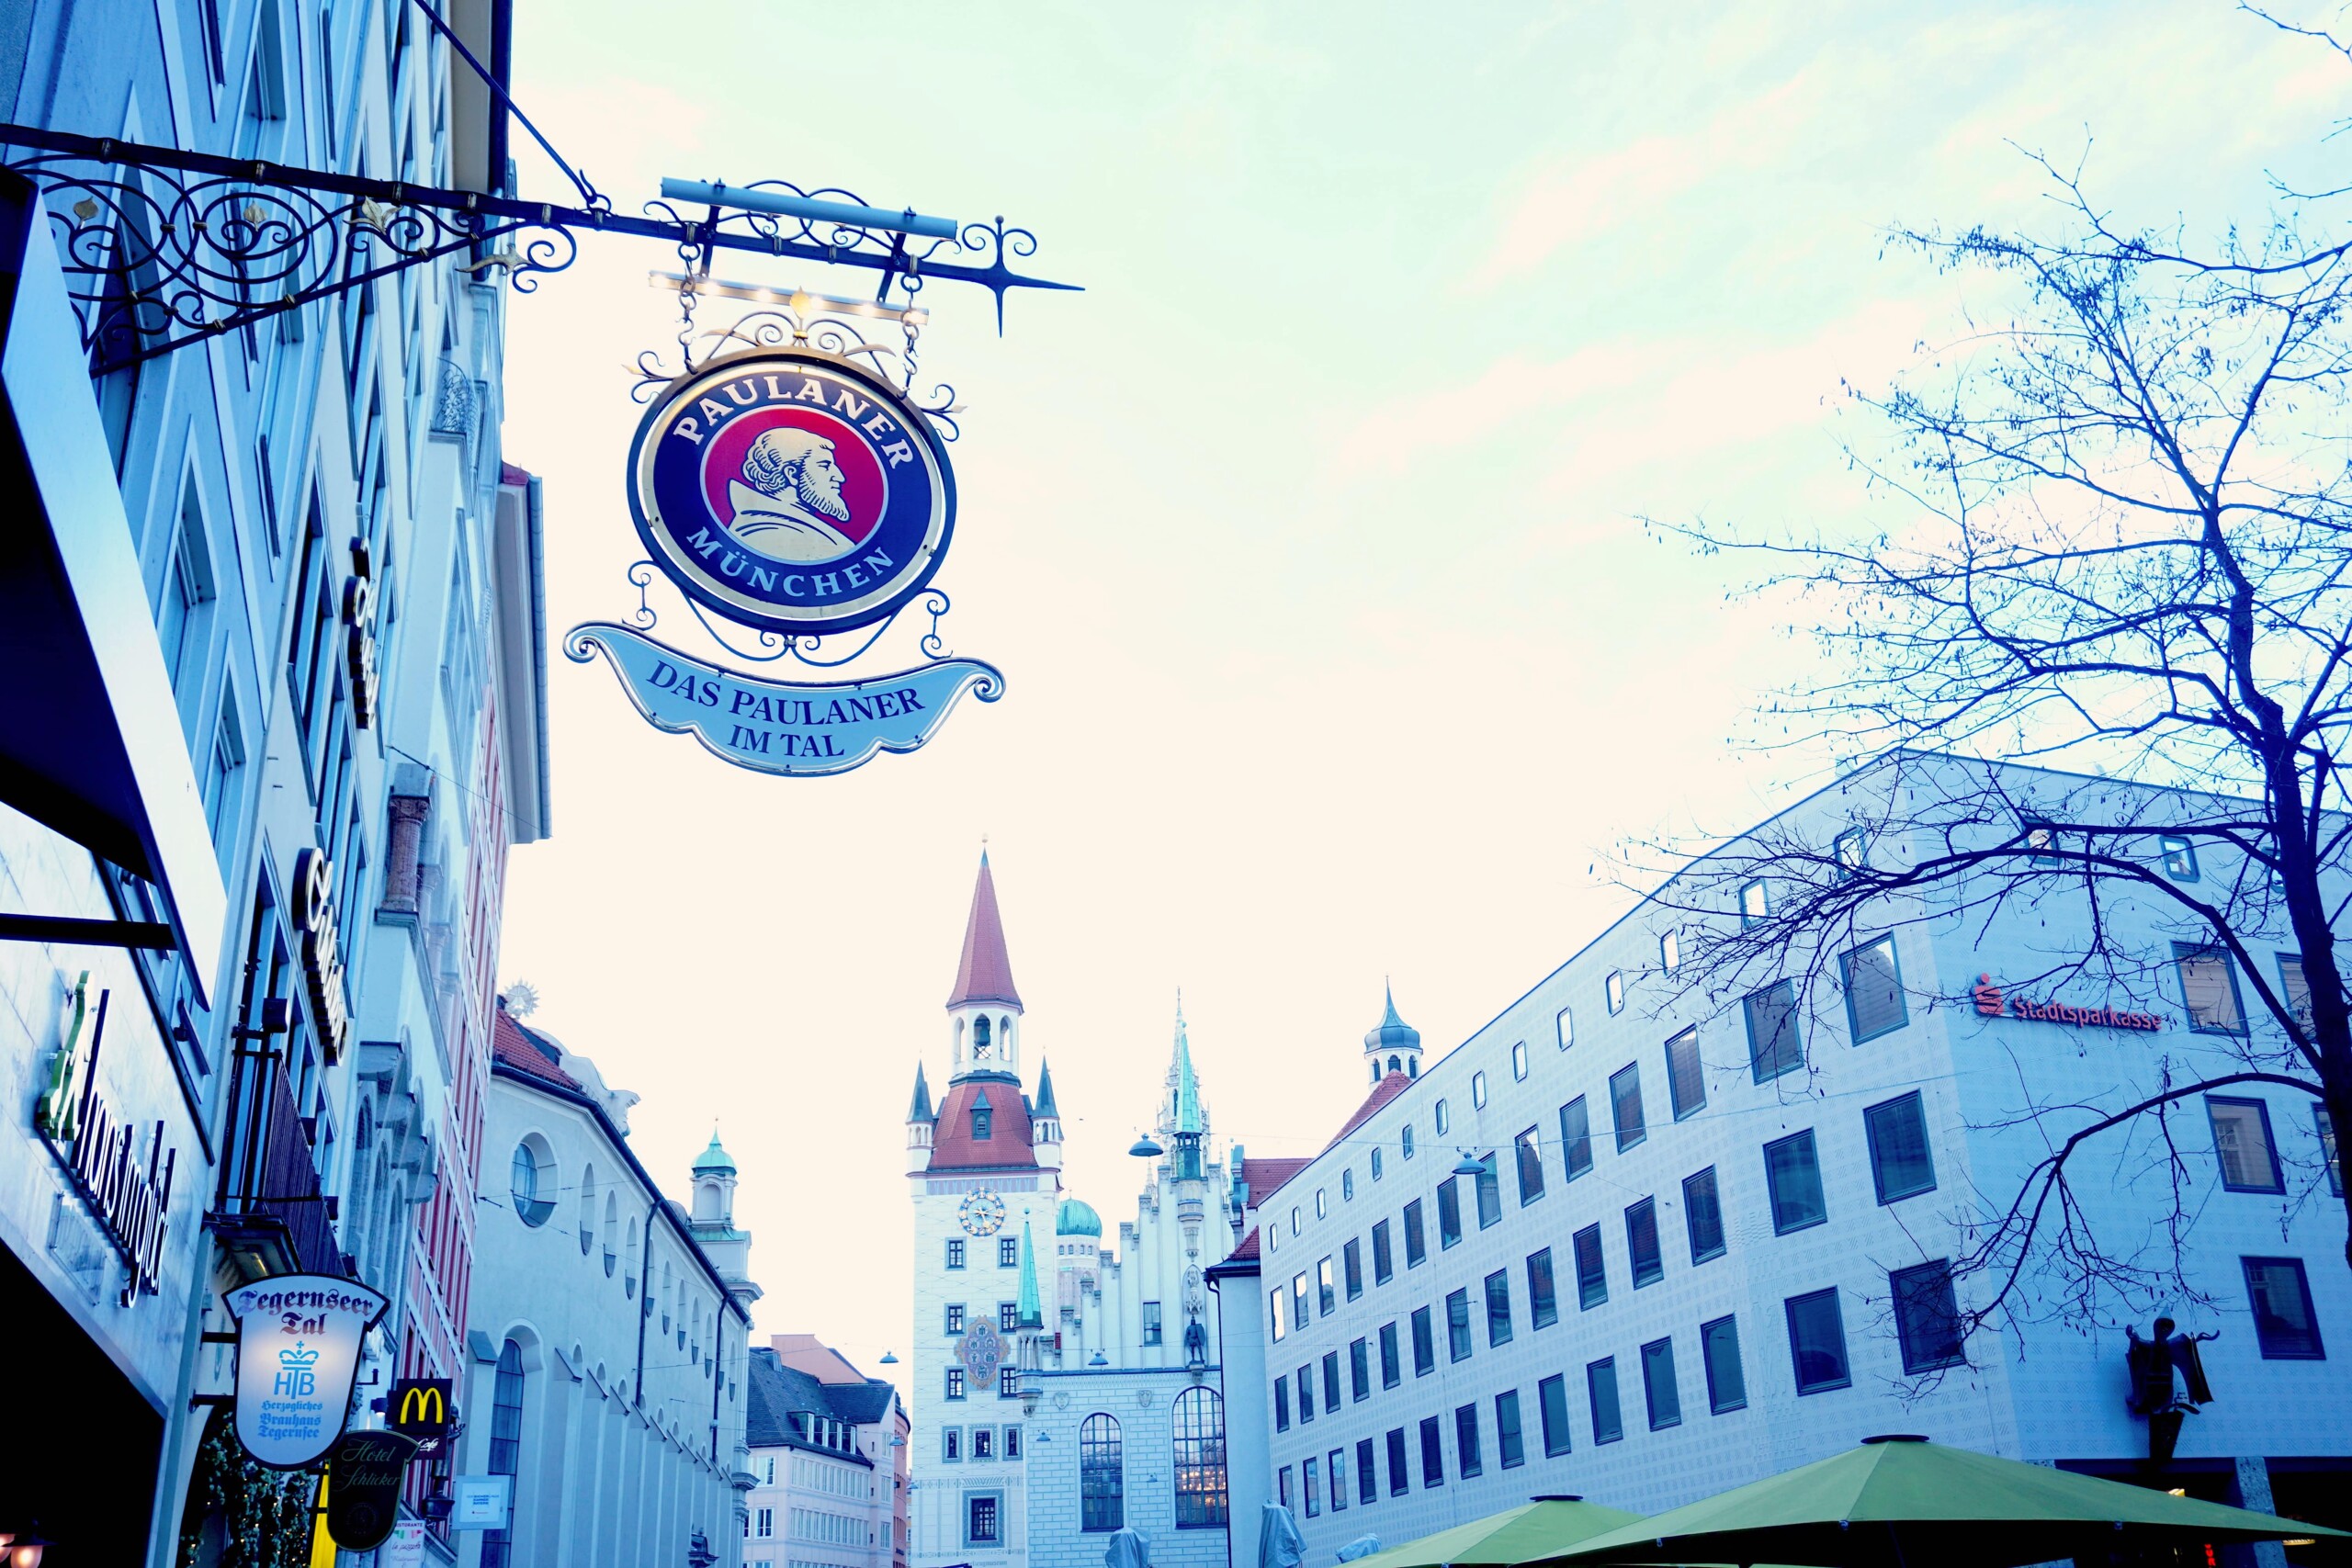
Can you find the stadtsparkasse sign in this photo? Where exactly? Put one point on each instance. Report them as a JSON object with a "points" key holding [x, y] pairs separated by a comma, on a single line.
{"points": [[1992, 1002], [792, 489]]}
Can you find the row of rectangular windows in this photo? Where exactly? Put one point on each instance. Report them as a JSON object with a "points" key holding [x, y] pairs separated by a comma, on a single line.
{"points": [[1007, 1252], [980, 1442], [1008, 1383]]}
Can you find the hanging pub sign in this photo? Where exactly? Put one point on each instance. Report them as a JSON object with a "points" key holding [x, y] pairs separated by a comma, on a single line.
{"points": [[420, 1408], [364, 1487], [297, 1352], [791, 490], [771, 727]]}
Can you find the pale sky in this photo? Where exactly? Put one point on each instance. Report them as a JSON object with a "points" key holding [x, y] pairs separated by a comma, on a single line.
{"points": [[1308, 537]]}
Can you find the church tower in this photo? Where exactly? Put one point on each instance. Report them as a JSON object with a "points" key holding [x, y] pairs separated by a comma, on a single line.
{"points": [[984, 1169], [1392, 1045]]}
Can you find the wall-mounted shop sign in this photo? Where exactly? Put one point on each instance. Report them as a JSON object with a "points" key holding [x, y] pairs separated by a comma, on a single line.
{"points": [[819, 727], [420, 1408], [1992, 1003], [364, 1487], [792, 489], [321, 950], [123, 1177], [360, 634], [297, 1351]]}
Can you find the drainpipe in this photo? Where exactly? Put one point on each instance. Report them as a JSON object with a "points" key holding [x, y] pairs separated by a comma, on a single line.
{"points": [[645, 1299]]}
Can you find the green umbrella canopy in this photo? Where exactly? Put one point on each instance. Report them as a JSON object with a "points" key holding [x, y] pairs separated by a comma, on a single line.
{"points": [[1543, 1528], [1908, 1502]]}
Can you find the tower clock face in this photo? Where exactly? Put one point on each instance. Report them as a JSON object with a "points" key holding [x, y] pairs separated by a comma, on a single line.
{"points": [[980, 1214]]}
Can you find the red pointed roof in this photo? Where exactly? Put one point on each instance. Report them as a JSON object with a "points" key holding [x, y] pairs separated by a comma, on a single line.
{"points": [[984, 974]]}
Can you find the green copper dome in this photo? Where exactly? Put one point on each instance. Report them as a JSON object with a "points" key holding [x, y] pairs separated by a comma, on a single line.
{"points": [[714, 1160], [1074, 1218]]}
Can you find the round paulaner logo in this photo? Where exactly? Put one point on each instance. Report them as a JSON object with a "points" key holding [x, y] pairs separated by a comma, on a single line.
{"points": [[791, 490]]}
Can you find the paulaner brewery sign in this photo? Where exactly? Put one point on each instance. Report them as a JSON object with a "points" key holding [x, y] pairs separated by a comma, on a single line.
{"points": [[297, 1351], [127, 1191], [791, 490], [1992, 1003]]}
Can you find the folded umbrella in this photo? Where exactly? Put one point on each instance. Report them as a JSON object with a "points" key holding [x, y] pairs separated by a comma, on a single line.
{"points": [[1903, 1501]]}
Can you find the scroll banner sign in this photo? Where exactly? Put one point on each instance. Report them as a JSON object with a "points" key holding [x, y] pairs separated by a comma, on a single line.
{"points": [[773, 728], [364, 1487], [297, 1351]]}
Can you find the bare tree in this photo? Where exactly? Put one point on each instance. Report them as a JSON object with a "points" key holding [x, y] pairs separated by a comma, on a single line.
{"points": [[2127, 526]]}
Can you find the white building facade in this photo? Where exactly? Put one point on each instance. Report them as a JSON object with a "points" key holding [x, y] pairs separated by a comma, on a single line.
{"points": [[609, 1344], [823, 1456], [1704, 1244]]}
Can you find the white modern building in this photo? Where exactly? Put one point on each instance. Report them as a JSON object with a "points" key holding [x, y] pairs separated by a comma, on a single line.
{"points": [[1048, 1413], [1636, 1243], [609, 1346], [824, 1442]]}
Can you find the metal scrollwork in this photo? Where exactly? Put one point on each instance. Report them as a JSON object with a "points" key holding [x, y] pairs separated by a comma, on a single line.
{"points": [[771, 648]]}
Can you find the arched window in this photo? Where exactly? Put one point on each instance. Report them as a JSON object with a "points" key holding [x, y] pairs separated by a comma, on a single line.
{"points": [[587, 1209], [505, 1442], [1102, 1503], [980, 1036], [1200, 1460], [612, 1232], [533, 1180], [629, 1265]]}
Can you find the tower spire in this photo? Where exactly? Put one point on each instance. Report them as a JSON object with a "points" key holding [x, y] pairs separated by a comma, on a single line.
{"points": [[1032, 1310], [983, 973]]}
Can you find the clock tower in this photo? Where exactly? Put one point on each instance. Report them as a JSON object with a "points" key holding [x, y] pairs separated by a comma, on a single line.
{"points": [[984, 1168]]}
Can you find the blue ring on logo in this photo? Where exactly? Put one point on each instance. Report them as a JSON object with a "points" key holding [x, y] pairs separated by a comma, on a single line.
{"points": [[869, 580]]}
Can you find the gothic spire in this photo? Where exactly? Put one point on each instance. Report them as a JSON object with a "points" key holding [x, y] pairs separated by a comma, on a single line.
{"points": [[984, 974], [1045, 1106], [1187, 1087], [921, 1109], [1031, 1311]]}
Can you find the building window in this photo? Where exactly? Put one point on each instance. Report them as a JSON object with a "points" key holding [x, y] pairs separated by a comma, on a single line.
{"points": [[1398, 1481], [1310, 1486], [1008, 1316], [955, 1317], [534, 1181], [1927, 1317], [1793, 1173], [1567, 1027], [1424, 1344], [1519, 1061], [1102, 1503], [1348, 1185], [1543, 1303], [1281, 1488], [1726, 1380], [1552, 1406], [1367, 1478], [1479, 1090], [1601, 1388], [1359, 1369], [1376, 1165], [1274, 1237], [1281, 1404], [2209, 989], [1276, 1324], [1661, 1392], [983, 1122], [1322, 1205], [1008, 1253], [1851, 850], [1391, 1371], [2283, 1320], [1575, 1138], [1305, 1383], [1432, 1452], [767, 1524], [1008, 1383], [1384, 1263], [1669, 952], [1151, 1330], [2179, 857], [984, 1441], [1336, 1463], [1439, 1115], [1201, 1498], [2242, 1143], [1298, 1300], [1773, 1047], [1490, 1192], [1641, 1243], [1416, 1248], [1498, 1329], [955, 1382], [2041, 842], [506, 1441], [1625, 1105], [2294, 989], [1817, 1342], [1754, 903], [1330, 1379], [1327, 1298], [955, 1253], [1529, 1157], [1613, 991], [1900, 1164], [1457, 1324], [1352, 1266], [1465, 1442], [1686, 1081], [1592, 1272], [1449, 1211], [1012, 1442], [1405, 1140], [2324, 1124], [1703, 1216], [1874, 1003], [981, 1521]]}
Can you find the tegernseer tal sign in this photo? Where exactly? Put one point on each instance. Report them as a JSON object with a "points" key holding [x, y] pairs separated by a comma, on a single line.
{"points": [[298, 1353]]}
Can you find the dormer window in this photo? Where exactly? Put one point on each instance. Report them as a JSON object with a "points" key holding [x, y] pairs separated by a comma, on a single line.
{"points": [[983, 1117]]}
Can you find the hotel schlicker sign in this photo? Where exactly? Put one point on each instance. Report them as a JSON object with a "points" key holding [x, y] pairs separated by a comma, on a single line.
{"points": [[798, 492]]}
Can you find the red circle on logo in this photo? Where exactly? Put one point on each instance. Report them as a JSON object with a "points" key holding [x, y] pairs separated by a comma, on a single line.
{"points": [[863, 487]]}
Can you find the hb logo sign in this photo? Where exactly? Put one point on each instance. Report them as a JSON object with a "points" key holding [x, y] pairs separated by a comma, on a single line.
{"points": [[419, 1408]]}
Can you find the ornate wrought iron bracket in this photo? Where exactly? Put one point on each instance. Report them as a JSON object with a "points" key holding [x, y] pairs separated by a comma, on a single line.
{"points": [[163, 248]]}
